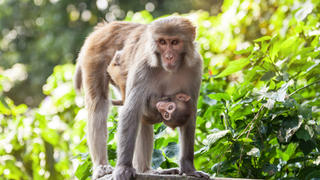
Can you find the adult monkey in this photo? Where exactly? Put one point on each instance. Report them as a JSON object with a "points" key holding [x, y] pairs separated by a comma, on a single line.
{"points": [[163, 61]]}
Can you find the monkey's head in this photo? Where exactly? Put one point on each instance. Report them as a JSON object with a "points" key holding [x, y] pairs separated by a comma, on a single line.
{"points": [[172, 41]]}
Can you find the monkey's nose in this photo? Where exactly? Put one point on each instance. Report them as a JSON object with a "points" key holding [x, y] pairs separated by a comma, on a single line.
{"points": [[169, 57]]}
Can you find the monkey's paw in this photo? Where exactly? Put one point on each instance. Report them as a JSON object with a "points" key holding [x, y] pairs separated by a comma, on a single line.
{"points": [[123, 173], [101, 170], [199, 174], [168, 171]]}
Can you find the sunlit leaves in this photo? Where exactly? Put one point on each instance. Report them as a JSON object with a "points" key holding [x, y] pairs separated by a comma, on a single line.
{"points": [[84, 169], [233, 67], [274, 67], [290, 150], [215, 136], [258, 113]]}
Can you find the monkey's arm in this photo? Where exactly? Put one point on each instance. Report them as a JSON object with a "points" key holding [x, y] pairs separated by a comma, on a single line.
{"points": [[187, 131]]}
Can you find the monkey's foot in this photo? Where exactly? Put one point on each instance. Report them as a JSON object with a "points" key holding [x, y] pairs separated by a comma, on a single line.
{"points": [[101, 170], [123, 173], [199, 174], [168, 171]]}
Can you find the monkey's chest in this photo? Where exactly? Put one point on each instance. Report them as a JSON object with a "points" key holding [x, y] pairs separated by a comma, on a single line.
{"points": [[170, 85]]}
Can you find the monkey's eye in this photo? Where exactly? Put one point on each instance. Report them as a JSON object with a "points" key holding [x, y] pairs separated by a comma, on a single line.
{"points": [[175, 42], [162, 42]]}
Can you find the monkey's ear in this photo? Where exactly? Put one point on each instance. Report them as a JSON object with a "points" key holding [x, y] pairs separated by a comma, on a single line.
{"points": [[194, 32], [183, 97]]}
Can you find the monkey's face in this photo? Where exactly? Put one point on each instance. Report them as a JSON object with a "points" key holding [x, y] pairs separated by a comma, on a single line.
{"points": [[166, 109], [171, 52]]}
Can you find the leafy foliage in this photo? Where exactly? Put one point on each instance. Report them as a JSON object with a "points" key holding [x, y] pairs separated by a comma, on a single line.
{"points": [[43, 33], [258, 111]]}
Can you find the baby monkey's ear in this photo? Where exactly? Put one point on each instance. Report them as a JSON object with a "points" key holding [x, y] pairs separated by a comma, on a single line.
{"points": [[183, 97]]}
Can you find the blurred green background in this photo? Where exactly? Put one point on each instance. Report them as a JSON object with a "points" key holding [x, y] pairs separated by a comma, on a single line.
{"points": [[259, 105]]}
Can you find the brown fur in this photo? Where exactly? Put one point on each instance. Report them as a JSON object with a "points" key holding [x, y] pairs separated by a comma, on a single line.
{"points": [[179, 115], [118, 72], [148, 73]]}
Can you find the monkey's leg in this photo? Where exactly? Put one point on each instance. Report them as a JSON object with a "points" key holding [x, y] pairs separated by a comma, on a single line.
{"points": [[123, 92], [187, 133], [97, 137], [129, 119], [123, 96], [96, 93], [144, 147]]}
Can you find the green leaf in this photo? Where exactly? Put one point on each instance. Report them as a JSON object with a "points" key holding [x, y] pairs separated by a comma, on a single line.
{"points": [[264, 38], [168, 163], [305, 133], [171, 150], [306, 146], [244, 51], [245, 140], [291, 148], [214, 137], [306, 112], [157, 158], [219, 96], [287, 44], [83, 170], [158, 143], [234, 66], [268, 75]]}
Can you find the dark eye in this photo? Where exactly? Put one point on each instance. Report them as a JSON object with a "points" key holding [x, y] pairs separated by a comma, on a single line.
{"points": [[174, 42], [162, 42]]}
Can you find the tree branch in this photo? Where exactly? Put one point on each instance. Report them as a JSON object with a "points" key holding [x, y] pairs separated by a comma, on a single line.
{"points": [[304, 87]]}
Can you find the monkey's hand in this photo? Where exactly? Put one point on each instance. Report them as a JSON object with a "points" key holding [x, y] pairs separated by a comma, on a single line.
{"points": [[123, 173], [101, 170], [195, 173]]}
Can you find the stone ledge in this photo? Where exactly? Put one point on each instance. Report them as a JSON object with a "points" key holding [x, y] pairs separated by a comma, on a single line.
{"points": [[142, 176]]}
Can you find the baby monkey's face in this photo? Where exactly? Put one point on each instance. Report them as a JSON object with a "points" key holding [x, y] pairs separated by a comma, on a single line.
{"points": [[177, 105]]}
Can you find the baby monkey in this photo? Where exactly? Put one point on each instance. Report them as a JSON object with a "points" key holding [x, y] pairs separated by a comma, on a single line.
{"points": [[174, 109], [118, 72]]}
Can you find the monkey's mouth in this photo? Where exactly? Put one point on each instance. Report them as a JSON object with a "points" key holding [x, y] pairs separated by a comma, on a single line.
{"points": [[171, 68]]}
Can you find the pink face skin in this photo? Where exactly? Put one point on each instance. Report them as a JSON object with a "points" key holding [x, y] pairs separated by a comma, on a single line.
{"points": [[166, 109], [170, 49]]}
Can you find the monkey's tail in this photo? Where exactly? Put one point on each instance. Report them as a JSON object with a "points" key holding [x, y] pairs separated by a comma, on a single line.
{"points": [[78, 77]]}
